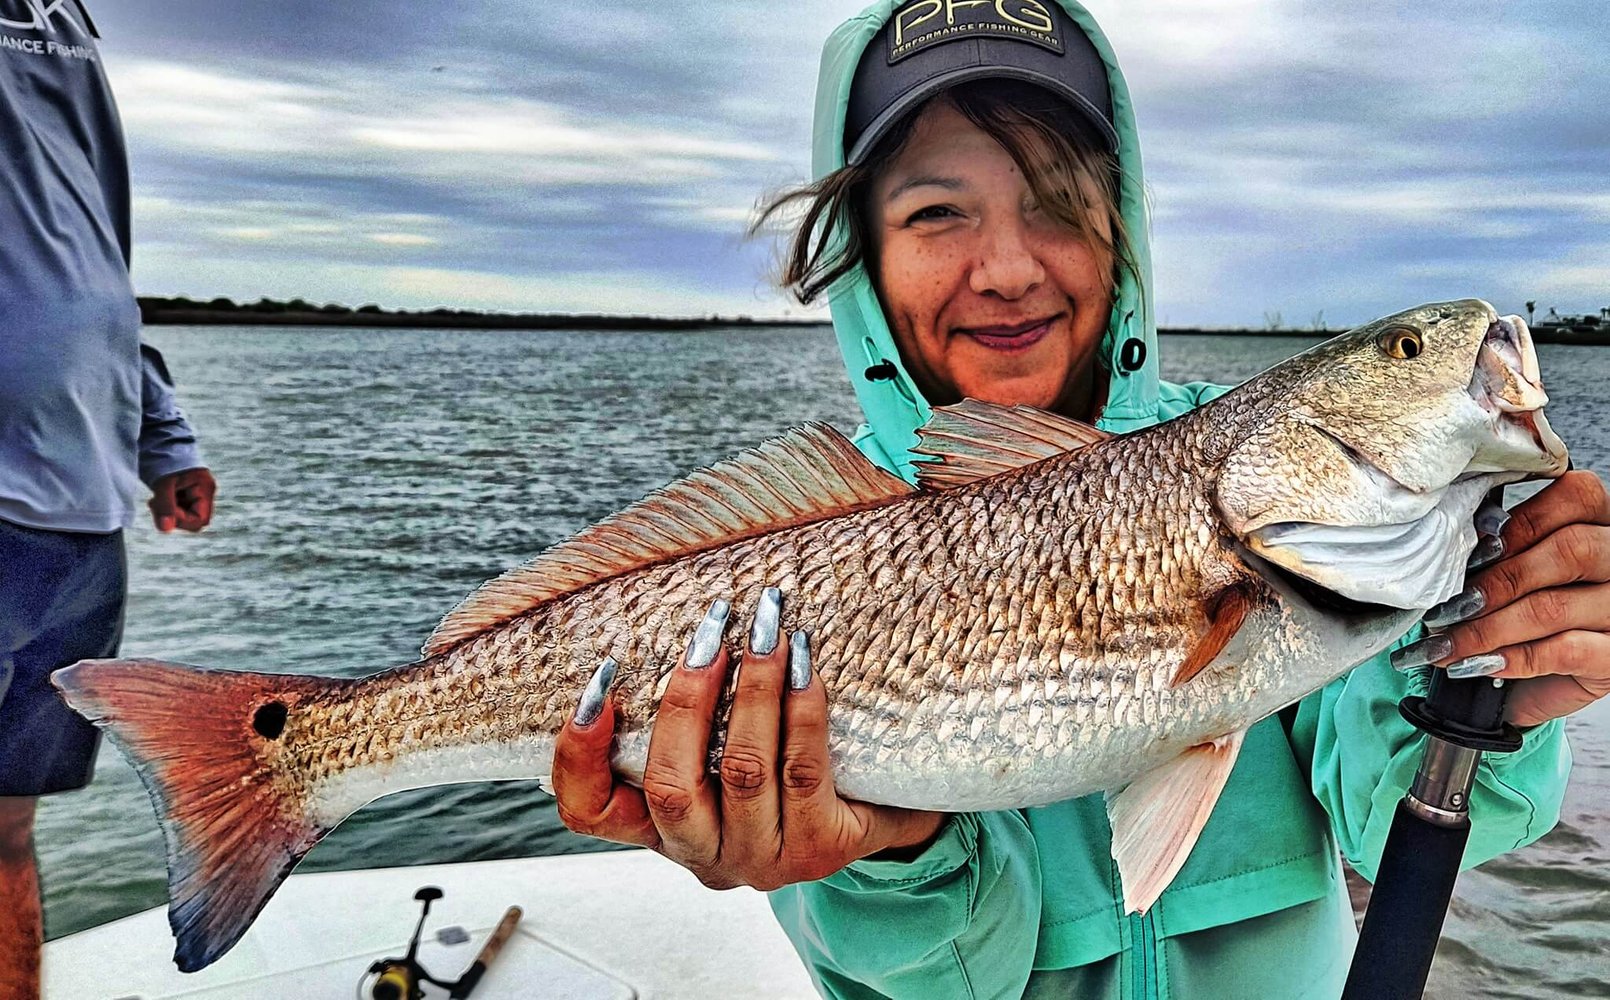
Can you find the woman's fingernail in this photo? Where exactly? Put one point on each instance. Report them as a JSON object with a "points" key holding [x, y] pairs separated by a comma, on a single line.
{"points": [[1418, 654], [768, 617], [1490, 519], [706, 642], [1484, 665], [1462, 606], [799, 661], [1487, 550], [592, 699]]}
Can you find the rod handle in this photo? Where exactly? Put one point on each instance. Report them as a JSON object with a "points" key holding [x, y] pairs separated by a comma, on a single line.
{"points": [[489, 952]]}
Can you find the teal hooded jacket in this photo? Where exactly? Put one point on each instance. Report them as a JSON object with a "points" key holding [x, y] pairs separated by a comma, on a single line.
{"points": [[1028, 902]]}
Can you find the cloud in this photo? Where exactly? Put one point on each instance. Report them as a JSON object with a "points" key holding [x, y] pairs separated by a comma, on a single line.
{"points": [[1582, 275], [356, 127], [402, 239], [178, 105], [1301, 156]]}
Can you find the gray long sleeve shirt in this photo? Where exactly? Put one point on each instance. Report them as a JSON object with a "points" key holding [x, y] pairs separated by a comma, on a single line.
{"points": [[86, 410]]}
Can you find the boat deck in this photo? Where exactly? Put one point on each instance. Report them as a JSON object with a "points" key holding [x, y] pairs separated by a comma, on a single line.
{"points": [[613, 925]]}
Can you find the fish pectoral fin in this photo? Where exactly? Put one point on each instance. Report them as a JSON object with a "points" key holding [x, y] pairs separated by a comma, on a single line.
{"points": [[1157, 818], [974, 440], [1226, 611]]}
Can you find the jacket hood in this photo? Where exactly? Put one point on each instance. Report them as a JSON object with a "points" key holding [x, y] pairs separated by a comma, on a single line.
{"points": [[893, 405]]}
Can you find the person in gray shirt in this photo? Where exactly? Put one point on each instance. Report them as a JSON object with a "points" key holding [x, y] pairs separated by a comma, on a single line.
{"points": [[87, 412]]}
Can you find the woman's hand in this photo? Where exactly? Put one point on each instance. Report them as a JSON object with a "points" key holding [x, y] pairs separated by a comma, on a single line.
{"points": [[1543, 607], [772, 816]]}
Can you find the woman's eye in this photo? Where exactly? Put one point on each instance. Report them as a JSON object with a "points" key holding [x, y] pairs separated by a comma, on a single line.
{"points": [[931, 212]]}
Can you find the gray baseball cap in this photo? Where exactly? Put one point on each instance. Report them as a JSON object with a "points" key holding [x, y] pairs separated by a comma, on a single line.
{"points": [[930, 45]]}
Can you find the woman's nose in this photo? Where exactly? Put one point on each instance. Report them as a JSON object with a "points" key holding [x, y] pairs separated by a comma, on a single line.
{"points": [[1008, 265]]}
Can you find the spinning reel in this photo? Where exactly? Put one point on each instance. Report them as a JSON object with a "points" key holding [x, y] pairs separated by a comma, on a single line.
{"points": [[403, 978]]}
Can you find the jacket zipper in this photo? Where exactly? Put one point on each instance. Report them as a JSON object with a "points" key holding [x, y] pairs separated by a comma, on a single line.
{"points": [[1144, 980]]}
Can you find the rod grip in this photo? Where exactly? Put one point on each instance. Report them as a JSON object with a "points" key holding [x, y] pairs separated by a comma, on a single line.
{"points": [[489, 951], [500, 936], [1407, 908]]}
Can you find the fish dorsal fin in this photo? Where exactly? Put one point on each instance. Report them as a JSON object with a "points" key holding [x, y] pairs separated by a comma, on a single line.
{"points": [[808, 474], [1158, 817], [975, 440]]}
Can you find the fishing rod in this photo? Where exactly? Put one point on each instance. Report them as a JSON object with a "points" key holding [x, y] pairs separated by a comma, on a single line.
{"points": [[1462, 720], [402, 978]]}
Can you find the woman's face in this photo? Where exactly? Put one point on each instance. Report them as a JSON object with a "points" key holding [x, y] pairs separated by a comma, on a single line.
{"points": [[987, 296]]}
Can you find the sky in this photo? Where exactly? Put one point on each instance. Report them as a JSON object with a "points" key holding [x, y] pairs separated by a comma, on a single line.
{"points": [[1308, 162]]}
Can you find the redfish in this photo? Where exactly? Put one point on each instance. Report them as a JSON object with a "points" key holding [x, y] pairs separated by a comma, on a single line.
{"points": [[1050, 612]]}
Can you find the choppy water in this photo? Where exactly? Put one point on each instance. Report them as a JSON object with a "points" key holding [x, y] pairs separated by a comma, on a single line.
{"points": [[369, 479]]}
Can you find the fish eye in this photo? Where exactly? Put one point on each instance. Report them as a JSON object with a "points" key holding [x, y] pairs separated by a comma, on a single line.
{"points": [[1401, 343]]}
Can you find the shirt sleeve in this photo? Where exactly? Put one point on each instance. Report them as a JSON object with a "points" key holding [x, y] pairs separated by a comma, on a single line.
{"points": [[167, 441], [1364, 756], [960, 920]]}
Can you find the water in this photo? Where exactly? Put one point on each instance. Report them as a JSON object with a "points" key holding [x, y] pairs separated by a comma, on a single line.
{"points": [[369, 479]]}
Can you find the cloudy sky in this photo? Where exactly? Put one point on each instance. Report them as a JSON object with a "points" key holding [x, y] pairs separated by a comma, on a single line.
{"points": [[1304, 156]]}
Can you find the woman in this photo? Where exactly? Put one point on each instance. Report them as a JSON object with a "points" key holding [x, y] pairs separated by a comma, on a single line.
{"points": [[979, 229]]}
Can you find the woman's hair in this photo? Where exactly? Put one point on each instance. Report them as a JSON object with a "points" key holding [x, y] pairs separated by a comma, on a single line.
{"points": [[1071, 178]]}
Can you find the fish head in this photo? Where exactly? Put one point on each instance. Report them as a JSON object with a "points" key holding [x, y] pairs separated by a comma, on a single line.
{"points": [[1364, 459]]}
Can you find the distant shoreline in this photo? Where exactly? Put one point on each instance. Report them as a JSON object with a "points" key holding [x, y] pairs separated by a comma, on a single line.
{"points": [[185, 312], [267, 312]]}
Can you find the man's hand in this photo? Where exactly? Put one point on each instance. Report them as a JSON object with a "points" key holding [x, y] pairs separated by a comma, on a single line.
{"points": [[183, 500]]}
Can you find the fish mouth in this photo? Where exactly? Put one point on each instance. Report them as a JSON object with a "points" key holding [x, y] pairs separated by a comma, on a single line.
{"points": [[1507, 385]]}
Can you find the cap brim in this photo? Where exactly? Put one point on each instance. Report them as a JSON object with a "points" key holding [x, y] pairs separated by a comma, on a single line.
{"points": [[914, 97]]}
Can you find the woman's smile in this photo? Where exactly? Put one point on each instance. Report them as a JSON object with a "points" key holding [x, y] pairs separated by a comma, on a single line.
{"points": [[1010, 338]]}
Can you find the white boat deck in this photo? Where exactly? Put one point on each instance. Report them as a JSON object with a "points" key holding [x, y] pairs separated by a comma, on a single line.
{"points": [[616, 925]]}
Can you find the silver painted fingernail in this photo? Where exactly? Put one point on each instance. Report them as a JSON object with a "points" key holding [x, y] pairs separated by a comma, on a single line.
{"points": [[799, 661], [706, 642], [1484, 665], [768, 617], [1487, 550], [1462, 606], [1490, 519], [592, 699], [1418, 654]]}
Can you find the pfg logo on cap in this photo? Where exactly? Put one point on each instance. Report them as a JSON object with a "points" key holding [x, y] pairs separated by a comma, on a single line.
{"points": [[923, 24]]}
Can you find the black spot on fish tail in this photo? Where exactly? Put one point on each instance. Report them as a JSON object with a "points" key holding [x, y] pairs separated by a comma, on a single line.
{"points": [[269, 720]]}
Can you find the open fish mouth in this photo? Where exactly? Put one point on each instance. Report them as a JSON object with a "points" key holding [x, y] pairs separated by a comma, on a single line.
{"points": [[1507, 385]]}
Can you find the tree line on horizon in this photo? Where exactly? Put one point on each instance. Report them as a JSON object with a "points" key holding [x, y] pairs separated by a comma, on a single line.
{"points": [[180, 309], [267, 305]]}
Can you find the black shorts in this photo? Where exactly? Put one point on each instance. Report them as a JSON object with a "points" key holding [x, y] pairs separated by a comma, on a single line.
{"points": [[61, 601]]}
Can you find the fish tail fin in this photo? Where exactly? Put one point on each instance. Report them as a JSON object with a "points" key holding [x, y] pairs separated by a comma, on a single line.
{"points": [[206, 743]]}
